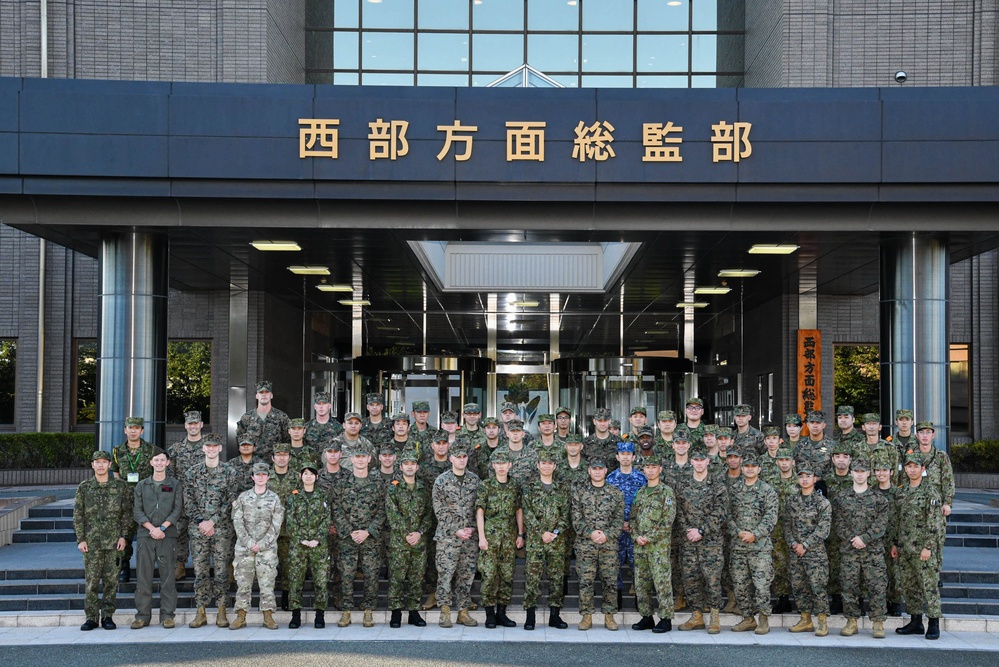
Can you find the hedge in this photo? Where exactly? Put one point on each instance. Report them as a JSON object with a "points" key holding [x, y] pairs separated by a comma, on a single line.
{"points": [[45, 450], [980, 456]]}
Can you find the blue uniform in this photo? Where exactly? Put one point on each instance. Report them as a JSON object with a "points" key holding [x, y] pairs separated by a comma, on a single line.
{"points": [[629, 484]]}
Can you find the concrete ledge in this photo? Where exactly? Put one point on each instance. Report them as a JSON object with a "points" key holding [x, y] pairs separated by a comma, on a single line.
{"points": [[977, 480], [44, 477], [12, 510]]}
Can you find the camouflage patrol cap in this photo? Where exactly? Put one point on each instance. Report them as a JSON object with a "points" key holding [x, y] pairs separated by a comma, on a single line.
{"points": [[515, 425], [784, 453], [841, 448], [681, 434], [459, 447], [308, 466], [472, 409], [666, 416], [694, 400], [870, 417], [491, 421], [507, 405], [441, 435], [574, 437], [449, 418], [844, 410], [386, 449], [546, 417], [322, 397], [711, 429], [626, 446], [723, 431], [547, 455], [333, 445], [914, 457], [816, 416], [602, 413], [699, 452], [401, 416], [409, 456], [297, 422], [192, 416], [771, 430], [651, 460], [259, 468], [644, 430], [282, 447], [374, 397], [743, 409], [100, 454], [135, 421], [247, 439], [264, 385], [733, 451], [793, 418], [421, 406], [860, 464], [352, 415], [881, 462], [925, 425], [638, 409], [805, 469], [903, 413], [212, 440], [596, 462], [615, 423], [501, 455], [560, 409], [357, 450], [750, 459]]}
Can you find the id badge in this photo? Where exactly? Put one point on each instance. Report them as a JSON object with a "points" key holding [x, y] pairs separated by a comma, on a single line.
{"points": [[132, 478], [924, 473]]}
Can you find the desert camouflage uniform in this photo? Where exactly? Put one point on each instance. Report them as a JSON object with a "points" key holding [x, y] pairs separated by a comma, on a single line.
{"points": [[257, 519]]}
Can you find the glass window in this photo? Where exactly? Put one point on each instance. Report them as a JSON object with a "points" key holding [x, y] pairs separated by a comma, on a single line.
{"points": [[552, 15], [704, 81], [388, 14], [455, 80], [346, 79], [387, 79], [704, 55], [607, 53], [607, 81], [443, 51], [497, 15], [663, 14], [960, 388], [662, 81], [662, 53], [705, 15], [553, 53], [567, 80], [189, 379], [388, 50], [345, 50], [85, 389], [319, 50], [345, 13], [443, 14], [8, 378], [497, 53], [609, 15]]}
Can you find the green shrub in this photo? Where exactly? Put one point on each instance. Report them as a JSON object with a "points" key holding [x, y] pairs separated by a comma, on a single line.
{"points": [[980, 456], [45, 450]]}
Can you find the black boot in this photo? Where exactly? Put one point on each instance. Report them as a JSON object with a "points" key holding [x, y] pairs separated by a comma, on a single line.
{"points": [[783, 605], [554, 620], [646, 623], [108, 623], [490, 617], [620, 599], [320, 621], [502, 619], [664, 625], [125, 575], [913, 627], [894, 609], [836, 604], [296, 619], [396, 620], [529, 623], [284, 600], [416, 619], [932, 628]]}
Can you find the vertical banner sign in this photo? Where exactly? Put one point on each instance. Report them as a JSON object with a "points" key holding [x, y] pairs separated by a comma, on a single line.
{"points": [[809, 371]]}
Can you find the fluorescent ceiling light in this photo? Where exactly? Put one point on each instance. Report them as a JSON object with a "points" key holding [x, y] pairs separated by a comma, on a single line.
{"points": [[276, 245], [310, 270], [525, 304], [658, 333], [772, 249], [712, 290], [692, 304], [325, 287], [738, 273], [354, 302], [674, 3]]}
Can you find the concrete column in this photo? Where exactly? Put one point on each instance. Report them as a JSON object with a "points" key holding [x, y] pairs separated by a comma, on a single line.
{"points": [[131, 365], [914, 342]]}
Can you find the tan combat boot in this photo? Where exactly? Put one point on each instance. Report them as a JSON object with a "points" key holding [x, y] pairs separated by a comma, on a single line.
{"points": [[714, 625], [269, 621], [731, 607], [445, 619], [240, 621], [586, 622], [804, 625], [465, 619], [695, 622], [745, 625], [369, 619], [200, 619], [221, 619], [763, 625], [180, 573], [850, 629], [431, 601], [680, 604], [609, 622], [879, 629], [344, 619], [821, 628]]}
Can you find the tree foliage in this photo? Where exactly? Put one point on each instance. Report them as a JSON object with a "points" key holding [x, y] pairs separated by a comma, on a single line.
{"points": [[857, 377], [189, 378], [8, 378]]}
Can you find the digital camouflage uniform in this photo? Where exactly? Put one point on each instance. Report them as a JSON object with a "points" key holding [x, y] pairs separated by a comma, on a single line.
{"points": [[266, 432], [131, 466], [597, 508], [499, 504], [546, 509], [525, 463], [816, 455], [864, 515], [308, 517], [430, 470], [257, 519], [675, 475], [921, 526], [891, 494], [454, 506], [183, 455], [326, 483], [750, 441], [785, 488], [835, 486], [243, 471], [807, 521], [940, 475], [303, 456], [102, 514], [653, 512], [606, 449], [408, 510], [317, 435], [754, 509], [703, 505], [359, 504], [208, 496]]}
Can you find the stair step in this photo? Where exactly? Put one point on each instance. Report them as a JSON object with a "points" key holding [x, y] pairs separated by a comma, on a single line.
{"points": [[971, 591], [969, 577], [971, 607], [965, 540], [51, 523], [35, 536]]}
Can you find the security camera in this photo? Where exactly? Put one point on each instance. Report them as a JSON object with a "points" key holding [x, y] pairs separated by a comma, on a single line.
{"points": [[901, 76]]}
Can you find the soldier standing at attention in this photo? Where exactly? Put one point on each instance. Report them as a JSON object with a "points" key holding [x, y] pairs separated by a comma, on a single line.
{"points": [[359, 517], [257, 516], [422, 430], [921, 529], [308, 518], [939, 471], [629, 481], [884, 471], [209, 489], [156, 508], [301, 454], [472, 430], [815, 451], [376, 428], [500, 525], [402, 438], [837, 483], [597, 518], [601, 444], [904, 439], [875, 447], [563, 422], [861, 527], [747, 437], [102, 514], [807, 519], [653, 512], [754, 515], [322, 428], [694, 410], [434, 462], [523, 457], [130, 462], [267, 424], [846, 422], [615, 431], [332, 474], [545, 508], [785, 483], [183, 455], [454, 495], [546, 432], [676, 470], [490, 443], [409, 512], [242, 465], [282, 482]]}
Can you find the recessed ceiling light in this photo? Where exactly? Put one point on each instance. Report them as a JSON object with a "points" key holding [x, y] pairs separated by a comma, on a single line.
{"points": [[712, 290], [738, 273], [310, 270], [658, 333], [772, 249], [276, 245], [354, 302], [324, 287], [525, 304], [692, 304], [674, 3]]}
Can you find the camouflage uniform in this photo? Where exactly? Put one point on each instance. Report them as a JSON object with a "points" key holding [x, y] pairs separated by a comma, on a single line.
{"points": [[359, 504], [208, 496], [675, 475], [102, 514], [326, 483], [921, 525], [243, 472], [525, 464], [597, 508], [785, 488], [317, 435], [546, 509], [653, 512], [703, 505], [302, 456], [754, 509], [606, 449], [499, 504], [864, 515], [257, 519], [430, 470], [836, 485], [571, 477], [940, 475], [308, 517], [266, 432], [131, 466], [884, 451], [454, 505], [408, 510], [891, 494], [283, 485], [183, 455], [750, 441], [816, 455], [807, 521]]}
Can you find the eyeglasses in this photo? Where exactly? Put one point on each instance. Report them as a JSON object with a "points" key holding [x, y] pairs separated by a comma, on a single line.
{"points": [[695, 407]]}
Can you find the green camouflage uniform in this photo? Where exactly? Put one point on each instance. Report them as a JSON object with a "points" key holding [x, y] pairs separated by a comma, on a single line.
{"points": [[131, 466], [308, 517], [243, 472], [208, 496], [940, 475], [754, 509], [454, 507], [703, 505], [546, 509], [303, 456], [525, 464], [835, 486], [499, 503], [817, 456], [675, 475], [430, 470], [606, 449], [183, 455], [785, 488], [807, 521], [408, 510], [921, 525], [102, 514], [653, 512], [864, 515], [597, 508], [257, 519], [750, 441], [317, 435], [265, 432], [891, 494], [283, 485], [359, 504]]}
